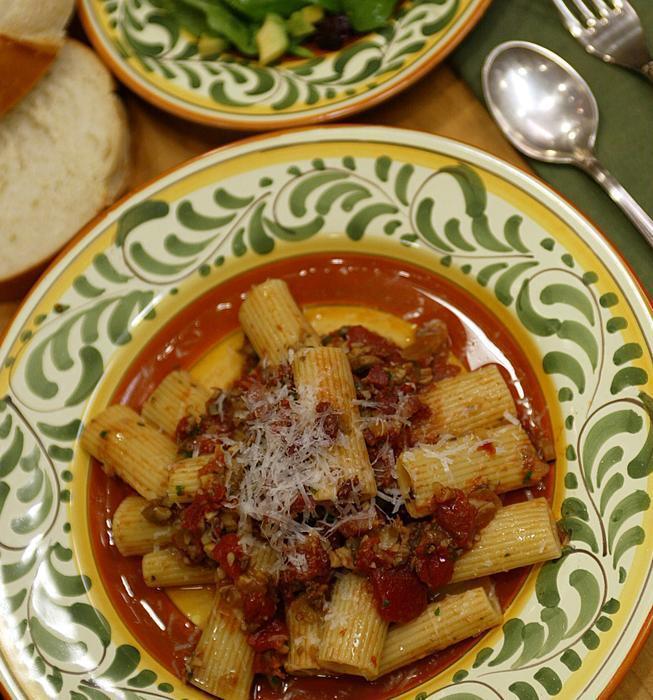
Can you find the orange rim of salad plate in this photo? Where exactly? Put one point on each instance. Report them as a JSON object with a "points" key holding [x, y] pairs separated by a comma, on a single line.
{"points": [[216, 120]]}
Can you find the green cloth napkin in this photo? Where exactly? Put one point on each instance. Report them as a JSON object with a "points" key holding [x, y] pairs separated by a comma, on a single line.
{"points": [[625, 139]]}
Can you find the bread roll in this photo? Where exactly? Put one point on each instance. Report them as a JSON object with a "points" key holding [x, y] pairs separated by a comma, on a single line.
{"points": [[31, 33], [63, 151]]}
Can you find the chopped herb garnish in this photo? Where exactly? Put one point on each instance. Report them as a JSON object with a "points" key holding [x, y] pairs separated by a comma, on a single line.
{"points": [[528, 476], [104, 434], [436, 612], [385, 603], [179, 489], [186, 453]]}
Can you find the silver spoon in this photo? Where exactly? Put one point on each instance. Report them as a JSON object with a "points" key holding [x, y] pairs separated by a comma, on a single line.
{"points": [[549, 113]]}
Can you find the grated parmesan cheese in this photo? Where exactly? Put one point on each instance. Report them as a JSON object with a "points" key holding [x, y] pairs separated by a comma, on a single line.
{"points": [[339, 618], [282, 458], [392, 496]]}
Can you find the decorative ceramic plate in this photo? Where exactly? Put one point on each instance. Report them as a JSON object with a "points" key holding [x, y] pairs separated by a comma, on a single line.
{"points": [[154, 57], [389, 217]]}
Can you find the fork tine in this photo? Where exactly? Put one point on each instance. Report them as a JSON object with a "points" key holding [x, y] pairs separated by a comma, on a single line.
{"points": [[568, 17], [585, 11], [601, 7]]}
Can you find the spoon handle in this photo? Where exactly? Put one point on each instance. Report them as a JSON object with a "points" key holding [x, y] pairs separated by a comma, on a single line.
{"points": [[620, 195]]}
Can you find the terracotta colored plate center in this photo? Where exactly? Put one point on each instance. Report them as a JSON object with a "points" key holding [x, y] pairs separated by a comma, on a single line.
{"points": [[410, 292]]}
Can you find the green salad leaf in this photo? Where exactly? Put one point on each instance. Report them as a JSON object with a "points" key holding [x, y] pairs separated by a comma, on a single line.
{"points": [[238, 22], [223, 22], [258, 9], [366, 15], [333, 6], [190, 18]]}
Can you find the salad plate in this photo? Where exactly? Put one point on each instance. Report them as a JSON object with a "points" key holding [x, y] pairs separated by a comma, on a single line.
{"points": [[152, 50], [387, 218]]}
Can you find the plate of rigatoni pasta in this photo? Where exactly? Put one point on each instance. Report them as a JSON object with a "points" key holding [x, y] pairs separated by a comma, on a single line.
{"points": [[352, 412]]}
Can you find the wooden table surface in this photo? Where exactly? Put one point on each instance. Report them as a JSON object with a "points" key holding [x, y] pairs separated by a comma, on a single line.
{"points": [[440, 103]]}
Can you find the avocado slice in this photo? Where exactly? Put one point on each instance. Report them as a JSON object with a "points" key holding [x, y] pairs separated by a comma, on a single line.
{"points": [[302, 23], [272, 39], [223, 22], [211, 45]]}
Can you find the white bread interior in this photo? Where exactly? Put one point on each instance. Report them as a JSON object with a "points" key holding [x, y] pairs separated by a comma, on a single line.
{"points": [[35, 20], [64, 155]]}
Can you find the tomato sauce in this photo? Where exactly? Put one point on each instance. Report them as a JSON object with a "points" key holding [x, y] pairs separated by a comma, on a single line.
{"points": [[410, 292]]}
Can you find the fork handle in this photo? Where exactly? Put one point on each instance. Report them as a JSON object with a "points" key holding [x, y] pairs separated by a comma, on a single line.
{"points": [[647, 70], [619, 194]]}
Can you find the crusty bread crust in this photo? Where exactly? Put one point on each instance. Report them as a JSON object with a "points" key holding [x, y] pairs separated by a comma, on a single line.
{"points": [[69, 147], [22, 64], [15, 288]]}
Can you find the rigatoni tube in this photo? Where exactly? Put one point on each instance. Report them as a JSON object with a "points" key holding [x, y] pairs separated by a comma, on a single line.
{"points": [[502, 458], [127, 446], [133, 534], [447, 621], [354, 632], [223, 661], [518, 535], [274, 323], [305, 627], [166, 567], [185, 478], [178, 395], [324, 375], [465, 403]]}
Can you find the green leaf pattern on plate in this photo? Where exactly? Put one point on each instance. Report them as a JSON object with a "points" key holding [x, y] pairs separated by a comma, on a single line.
{"points": [[140, 30], [63, 637], [607, 444]]}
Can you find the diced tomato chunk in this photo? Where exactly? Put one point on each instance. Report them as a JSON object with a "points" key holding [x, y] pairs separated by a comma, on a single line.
{"points": [[187, 427], [215, 465], [274, 636], [206, 501], [228, 553], [375, 342], [259, 606], [207, 444], [317, 563], [399, 595], [457, 516], [435, 569], [367, 559], [377, 376]]}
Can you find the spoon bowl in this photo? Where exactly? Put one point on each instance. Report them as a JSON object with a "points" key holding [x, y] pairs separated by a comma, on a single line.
{"points": [[549, 113], [542, 104]]}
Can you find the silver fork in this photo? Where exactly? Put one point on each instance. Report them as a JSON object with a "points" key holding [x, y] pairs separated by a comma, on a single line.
{"points": [[613, 33]]}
